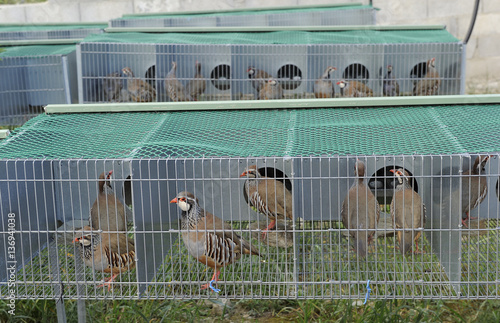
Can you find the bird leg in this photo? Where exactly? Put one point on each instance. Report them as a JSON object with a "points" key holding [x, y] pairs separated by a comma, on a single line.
{"points": [[271, 225], [467, 217], [215, 278], [108, 281], [417, 251]]}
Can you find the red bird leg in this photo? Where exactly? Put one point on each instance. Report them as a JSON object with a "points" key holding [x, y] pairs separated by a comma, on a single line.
{"points": [[108, 281], [269, 227], [416, 248], [215, 278], [464, 221]]}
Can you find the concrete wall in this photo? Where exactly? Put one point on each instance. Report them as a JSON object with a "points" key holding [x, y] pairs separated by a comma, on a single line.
{"points": [[483, 50]]}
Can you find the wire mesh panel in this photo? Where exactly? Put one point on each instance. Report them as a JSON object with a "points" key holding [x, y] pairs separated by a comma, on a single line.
{"points": [[329, 219], [319, 16], [267, 66], [313, 255], [34, 76], [48, 32]]}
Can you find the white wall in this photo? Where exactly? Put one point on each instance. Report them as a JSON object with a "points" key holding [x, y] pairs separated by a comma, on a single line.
{"points": [[483, 50]]}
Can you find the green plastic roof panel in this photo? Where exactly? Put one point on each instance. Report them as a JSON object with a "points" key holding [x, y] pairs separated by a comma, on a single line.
{"points": [[37, 50], [384, 130], [366, 36]]}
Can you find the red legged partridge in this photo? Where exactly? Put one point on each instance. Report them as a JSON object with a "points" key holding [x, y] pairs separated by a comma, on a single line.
{"points": [[474, 187], [107, 212], [138, 90], [107, 252], [407, 211], [174, 88], [429, 84], [210, 240], [268, 195], [360, 212], [390, 85], [354, 89], [112, 86], [198, 84], [271, 90], [323, 87], [258, 77]]}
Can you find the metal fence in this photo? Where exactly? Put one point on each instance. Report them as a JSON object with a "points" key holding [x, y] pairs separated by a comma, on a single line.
{"points": [[243, 72], [310, 16], [44, 204], [29, 80]]}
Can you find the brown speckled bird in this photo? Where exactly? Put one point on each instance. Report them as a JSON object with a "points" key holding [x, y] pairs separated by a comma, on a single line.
{"points": [[174, 88], [138, 90], [268, 196], [107, 252], [198, 84], [390, 85], [429, 84], [111, 87], [354, 89], [107, 212], [474, 187], [360, 212], [210, 240], [407, 211], [271, 90], [323, 87], [258, 77]]}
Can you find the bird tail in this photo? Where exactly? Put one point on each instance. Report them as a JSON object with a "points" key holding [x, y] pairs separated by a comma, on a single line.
{"points": [[360, 245], [405, 241], [249, 249]]}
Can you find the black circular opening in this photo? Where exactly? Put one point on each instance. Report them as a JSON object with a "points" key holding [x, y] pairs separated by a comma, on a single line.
{"points": [[127, 190], [383, 183], [498, 189], [274, 173], [356, 72], [221, 77], [418, 71], [289, 76], [150, 76]]}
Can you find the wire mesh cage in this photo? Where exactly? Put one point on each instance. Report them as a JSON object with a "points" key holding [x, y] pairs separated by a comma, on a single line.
{"points": [[34, 76], [332, 15], [50, 186], [10, 34], [270, 65]]}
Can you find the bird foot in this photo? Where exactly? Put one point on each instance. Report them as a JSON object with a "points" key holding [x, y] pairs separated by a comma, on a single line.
{"points": [[209, 285], [108, 281], [464, 223]]}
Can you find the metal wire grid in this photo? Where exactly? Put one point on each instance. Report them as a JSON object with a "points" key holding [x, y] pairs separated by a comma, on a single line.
{"points": [[9, 33], [28, 83], [362, 15], [315, 259], [295, 67]]}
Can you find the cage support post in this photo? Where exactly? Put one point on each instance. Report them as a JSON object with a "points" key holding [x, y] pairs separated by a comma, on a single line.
{"points": [[54, 271]]}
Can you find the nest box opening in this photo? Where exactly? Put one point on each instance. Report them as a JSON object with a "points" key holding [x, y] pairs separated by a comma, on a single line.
{"points": [[357, 72], [127, 190], [221, 77], [150, 76], [383, 183], [497, 188], [289, 76], [418, 71]]}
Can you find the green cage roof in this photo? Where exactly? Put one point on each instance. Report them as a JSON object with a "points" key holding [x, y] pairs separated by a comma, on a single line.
{"points": [[366, 36], [37, 50], [385, 130], [245, 12], [49, 27]]}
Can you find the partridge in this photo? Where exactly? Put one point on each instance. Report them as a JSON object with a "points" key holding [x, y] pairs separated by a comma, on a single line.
{"points": [[474, 187], [429, 84], [207, 238], [112, 86], [138, 90], [107, 212], [107, 252], [323, 87], [198, 84], [407, 211], [354, 89], [258, 77], [174, 88], [390, 85], [360, 212], [271, 90], [268, 195]]}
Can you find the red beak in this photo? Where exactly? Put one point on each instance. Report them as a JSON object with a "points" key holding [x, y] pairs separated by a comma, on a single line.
{"points": [[243, 174], [393, 171], [174, 200], [76, 239]]}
